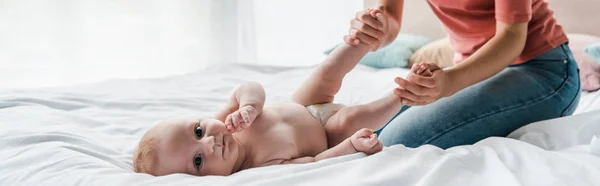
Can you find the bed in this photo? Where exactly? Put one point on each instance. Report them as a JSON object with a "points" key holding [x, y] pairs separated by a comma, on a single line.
{"points": [[86, 134]]}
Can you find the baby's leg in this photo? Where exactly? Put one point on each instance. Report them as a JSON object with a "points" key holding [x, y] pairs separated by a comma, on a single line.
{"points": [[322, 85], [373, 115]]}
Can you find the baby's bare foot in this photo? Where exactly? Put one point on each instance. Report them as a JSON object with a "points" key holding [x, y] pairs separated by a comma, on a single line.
{"points": [[423, 70], [366, 141]]}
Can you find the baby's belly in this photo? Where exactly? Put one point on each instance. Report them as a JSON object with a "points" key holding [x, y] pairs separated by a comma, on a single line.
{"points": [[310, 136], [304, 131]]}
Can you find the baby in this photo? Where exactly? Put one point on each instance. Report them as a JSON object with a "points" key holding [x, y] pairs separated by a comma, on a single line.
{"points": [[247, 133]]}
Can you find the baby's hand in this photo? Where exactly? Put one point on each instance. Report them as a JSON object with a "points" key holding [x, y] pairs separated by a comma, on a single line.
{"points": [[366, 141], [241, 119]]}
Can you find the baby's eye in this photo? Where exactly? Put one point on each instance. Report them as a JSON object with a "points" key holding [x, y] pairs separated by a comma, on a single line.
{"points": [[198, 132], [198, 161]]}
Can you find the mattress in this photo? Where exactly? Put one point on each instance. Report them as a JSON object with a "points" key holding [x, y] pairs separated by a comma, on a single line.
{"points": [[86, 134]]}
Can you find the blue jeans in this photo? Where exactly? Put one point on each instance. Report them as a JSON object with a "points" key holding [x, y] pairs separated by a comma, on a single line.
{"points": [[544, 88]]}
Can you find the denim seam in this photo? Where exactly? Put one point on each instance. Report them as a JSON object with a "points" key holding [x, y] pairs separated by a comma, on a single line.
{"points": [[542, 98], [573, 100], [578, 85]]}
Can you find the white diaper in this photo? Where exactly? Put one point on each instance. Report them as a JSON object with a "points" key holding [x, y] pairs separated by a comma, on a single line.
{"points": [[323, 112]]}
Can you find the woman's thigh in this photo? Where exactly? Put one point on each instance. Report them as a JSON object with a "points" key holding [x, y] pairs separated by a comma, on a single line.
{"points": [[544, 88]]}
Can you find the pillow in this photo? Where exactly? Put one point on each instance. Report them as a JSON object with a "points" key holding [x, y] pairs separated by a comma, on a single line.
{"points": [[438, 52], [396, 54], [594, 51], [589, 70]]}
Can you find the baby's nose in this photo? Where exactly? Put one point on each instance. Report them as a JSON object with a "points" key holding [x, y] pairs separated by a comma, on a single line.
{"points": [[208, 144]]}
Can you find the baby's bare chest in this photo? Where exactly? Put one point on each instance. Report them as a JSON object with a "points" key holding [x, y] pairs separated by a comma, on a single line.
{"points": [[286, 132]]}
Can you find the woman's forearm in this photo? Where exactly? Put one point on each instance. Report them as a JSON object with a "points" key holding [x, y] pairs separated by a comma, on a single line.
{"points": [[498, 53], [394, 10]]}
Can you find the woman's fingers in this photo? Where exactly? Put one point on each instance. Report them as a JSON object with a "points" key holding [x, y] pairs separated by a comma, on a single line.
{"points": [[366, 29], [406, 95], [432, 67], [351, 41], [365, 17], [362, 37], [380, 7], [412, 103], [378, 15], [416, 89], [428, 82]]}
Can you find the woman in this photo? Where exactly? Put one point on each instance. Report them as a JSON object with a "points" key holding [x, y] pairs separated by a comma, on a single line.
{"points": [[513, 66]]}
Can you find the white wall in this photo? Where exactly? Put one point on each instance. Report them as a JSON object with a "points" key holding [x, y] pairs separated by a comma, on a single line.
{"points": [[297, 32], [63, 42], [66, 42]]}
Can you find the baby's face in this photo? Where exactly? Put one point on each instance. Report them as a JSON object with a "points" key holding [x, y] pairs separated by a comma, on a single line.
{"points": [[200, 148]]}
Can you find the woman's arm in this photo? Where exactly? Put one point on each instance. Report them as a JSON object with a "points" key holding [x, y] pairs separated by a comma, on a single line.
{"points": [[394, 10], [497, 54], [490, 59]]}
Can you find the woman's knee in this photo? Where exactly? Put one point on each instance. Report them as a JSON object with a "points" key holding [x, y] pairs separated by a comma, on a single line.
{"points": [[409, 131]]}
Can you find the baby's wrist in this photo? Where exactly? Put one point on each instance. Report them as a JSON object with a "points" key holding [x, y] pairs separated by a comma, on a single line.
{"points": [[352, 147]]}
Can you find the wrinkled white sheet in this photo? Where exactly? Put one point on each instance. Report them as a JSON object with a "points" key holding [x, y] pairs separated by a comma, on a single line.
{"points": [[85, 135]]}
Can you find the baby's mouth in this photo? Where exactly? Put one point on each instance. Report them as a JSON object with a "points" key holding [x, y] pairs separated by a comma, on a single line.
{"points": [[223, 146]]}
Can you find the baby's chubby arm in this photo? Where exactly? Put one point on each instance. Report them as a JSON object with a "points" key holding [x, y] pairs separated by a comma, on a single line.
{"points": [[363, 140], [244, 105]]}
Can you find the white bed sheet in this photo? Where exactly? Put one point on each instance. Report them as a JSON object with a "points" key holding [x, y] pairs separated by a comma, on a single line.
{"points": [[85, 135]]}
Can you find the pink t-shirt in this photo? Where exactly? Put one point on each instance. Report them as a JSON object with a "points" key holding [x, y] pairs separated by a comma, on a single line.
{"points": [[471, 23]]}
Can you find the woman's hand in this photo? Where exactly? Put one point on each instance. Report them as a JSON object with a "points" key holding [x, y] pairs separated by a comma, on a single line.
{"points": [[419, 90], [367, 27], [372, 27]]}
